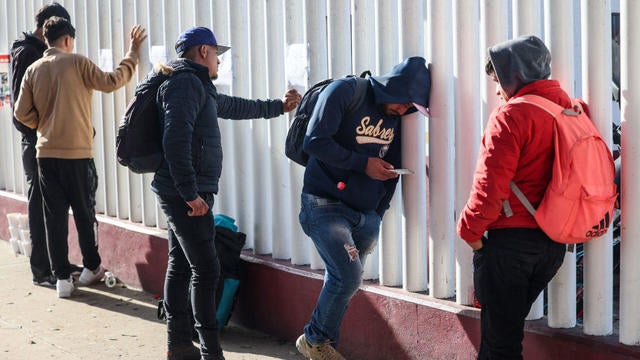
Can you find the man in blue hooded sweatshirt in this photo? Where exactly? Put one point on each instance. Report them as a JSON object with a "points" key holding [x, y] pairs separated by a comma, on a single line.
{"points": [[348, 184]]}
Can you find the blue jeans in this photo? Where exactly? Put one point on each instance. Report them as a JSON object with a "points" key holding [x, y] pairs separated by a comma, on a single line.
{"points": [[343, 237], [192, 260]]}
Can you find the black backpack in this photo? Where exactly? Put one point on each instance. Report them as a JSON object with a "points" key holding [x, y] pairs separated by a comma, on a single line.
{"points": [[139, 138], [298, 129]]}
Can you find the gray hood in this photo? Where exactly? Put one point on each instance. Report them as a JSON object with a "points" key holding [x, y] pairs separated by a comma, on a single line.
{"points": [[520, 61]]}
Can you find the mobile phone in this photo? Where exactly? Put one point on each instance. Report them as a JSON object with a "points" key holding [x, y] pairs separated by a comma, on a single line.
{"points": [[402, 171]]}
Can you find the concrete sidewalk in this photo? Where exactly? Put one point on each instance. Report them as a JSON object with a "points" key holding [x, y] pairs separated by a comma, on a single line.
{"points": [[98, 323]]}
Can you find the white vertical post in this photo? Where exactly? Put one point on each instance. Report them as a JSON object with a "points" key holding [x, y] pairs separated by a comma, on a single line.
{"points": [[283, 226], [561, 290], [290, 240], [119, 40], [441, 149], [468, 129], [494, 17], [93, 46], [187, 15], [226, 200], [414, 188], [596, 74], [134, 181], [171, 25], [316, 36], [261, 154], [339, 29], [630, 101], [245, 176], [364, 58], [6, 125], [391, 240], [527, 16], [202, 14], [150, 17], [105, 133], [537, 308]]}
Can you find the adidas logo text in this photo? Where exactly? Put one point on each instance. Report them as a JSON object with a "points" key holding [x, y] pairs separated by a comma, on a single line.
{"points": [[600, 228]]}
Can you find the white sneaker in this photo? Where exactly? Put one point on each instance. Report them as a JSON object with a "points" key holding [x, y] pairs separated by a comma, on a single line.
{"points": [[65, 287], [89, 277]]}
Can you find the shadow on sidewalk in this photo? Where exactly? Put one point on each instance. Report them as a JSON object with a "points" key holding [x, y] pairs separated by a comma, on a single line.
{"points": [[119, 299]]}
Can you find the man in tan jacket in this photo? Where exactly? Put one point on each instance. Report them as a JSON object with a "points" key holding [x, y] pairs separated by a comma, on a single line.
{"points": [[55, 99]]}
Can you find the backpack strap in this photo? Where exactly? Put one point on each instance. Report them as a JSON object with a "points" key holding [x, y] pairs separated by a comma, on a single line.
{"points": [[359, 96], [523, 199], [552, 109], [549, 106]]}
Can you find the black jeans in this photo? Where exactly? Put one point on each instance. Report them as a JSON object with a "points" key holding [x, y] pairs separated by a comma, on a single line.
{"points": [[192, 260], [510, 271], [69, 183], [40, 266]]}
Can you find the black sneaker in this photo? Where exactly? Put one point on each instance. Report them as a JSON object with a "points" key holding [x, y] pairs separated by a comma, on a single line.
{"points": [[184, 353], [46, 280]]}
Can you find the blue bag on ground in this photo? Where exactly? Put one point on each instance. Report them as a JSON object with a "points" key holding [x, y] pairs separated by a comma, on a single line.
{"points": [[229, 244]]}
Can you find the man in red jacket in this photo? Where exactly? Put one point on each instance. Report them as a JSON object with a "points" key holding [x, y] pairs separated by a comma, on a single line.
{"points": [[515, 260]]}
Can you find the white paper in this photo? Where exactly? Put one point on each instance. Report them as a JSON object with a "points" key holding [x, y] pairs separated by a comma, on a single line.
{"points": [[225, 70], [297, 66], [105, 60], [158, 54]]}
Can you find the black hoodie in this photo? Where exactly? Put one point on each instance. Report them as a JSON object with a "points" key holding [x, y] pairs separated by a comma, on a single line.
{"points": [[24, 52]]}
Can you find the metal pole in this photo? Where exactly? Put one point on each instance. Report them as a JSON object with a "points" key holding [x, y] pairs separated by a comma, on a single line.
{"points": [[134, 182], [441, 148], [150, 211], [468, 131], [316, 37], [494, 20], [561, 290], [284, 222], [339, 30], [261, 182], [118, 43], [630, 101], [243, 145], [414, 188], [596, 72], [526, 17], [364, 58], [387, 31], [221, 28]]}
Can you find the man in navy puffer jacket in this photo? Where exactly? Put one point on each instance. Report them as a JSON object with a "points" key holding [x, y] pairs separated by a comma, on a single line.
{"points": [[187, 181]]}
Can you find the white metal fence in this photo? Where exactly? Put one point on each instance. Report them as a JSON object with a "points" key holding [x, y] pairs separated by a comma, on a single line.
{"points": [[281, 43]]}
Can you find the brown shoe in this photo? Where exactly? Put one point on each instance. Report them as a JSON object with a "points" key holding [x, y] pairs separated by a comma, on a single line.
{"points": [[322, 351]]}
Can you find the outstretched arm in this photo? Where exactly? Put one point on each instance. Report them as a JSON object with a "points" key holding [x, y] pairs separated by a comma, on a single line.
{"points": [[290, 100]]}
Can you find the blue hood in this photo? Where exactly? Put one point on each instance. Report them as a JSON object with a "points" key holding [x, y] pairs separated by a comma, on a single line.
{"points": [[407, 82]]}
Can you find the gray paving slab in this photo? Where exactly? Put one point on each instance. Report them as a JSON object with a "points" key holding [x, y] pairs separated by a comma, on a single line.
{"points": [[98, 323]]}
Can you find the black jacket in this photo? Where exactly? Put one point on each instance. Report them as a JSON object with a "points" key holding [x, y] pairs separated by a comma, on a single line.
{"points": [[191, 136], [24, 52]]}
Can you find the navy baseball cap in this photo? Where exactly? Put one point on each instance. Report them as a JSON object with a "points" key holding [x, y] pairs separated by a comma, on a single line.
{"points": [[197, 36]]}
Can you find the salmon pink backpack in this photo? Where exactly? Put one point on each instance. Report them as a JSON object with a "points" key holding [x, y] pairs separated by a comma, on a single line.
{"points": [[578, 203]]}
